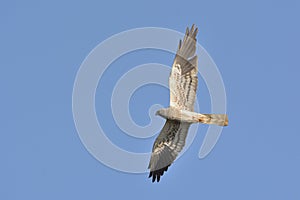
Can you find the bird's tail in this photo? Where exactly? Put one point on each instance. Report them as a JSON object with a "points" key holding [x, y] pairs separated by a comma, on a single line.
{"points": [[218, 119]]}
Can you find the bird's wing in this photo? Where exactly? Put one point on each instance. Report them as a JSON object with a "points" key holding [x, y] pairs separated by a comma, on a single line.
{"points": [[166, 147], [183, 79]]}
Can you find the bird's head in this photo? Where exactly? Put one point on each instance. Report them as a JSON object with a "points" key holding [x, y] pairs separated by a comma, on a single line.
{"points": [[157, 112], [161, 112]]}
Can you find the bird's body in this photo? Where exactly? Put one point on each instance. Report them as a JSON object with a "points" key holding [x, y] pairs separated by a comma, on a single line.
{"points": [[192, 117], [180, 115]]}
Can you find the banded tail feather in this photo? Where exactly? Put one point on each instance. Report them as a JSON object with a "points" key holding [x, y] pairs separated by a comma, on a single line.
{"points": [[217, 119]]}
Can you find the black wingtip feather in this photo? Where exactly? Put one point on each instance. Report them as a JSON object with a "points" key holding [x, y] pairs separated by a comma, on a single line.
{"points": [[192, 32], [187, 31], [157, 174], [192, 29], [179, 46]]}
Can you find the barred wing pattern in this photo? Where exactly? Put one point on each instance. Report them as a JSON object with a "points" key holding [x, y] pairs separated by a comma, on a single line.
{"points": [[183, 85], [166, 147], [183, 79]]}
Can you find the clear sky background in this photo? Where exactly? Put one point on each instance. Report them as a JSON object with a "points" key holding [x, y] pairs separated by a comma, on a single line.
{"points": [[255, 45]]}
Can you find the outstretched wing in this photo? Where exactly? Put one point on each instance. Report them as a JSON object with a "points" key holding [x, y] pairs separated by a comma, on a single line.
{"points": [[166, 147], [183, 79]]}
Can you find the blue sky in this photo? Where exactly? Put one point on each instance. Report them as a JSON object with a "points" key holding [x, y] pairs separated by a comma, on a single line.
{"points": [[255, 44]]}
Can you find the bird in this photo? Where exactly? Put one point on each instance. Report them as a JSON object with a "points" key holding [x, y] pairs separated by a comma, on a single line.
{"points": [[183, 82]]}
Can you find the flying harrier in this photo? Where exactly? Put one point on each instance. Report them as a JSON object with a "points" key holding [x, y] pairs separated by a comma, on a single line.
{"points": [[180, 115]]}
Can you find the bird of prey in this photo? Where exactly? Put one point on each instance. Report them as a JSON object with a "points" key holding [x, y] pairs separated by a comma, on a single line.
{"points": [[180, 115]]}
